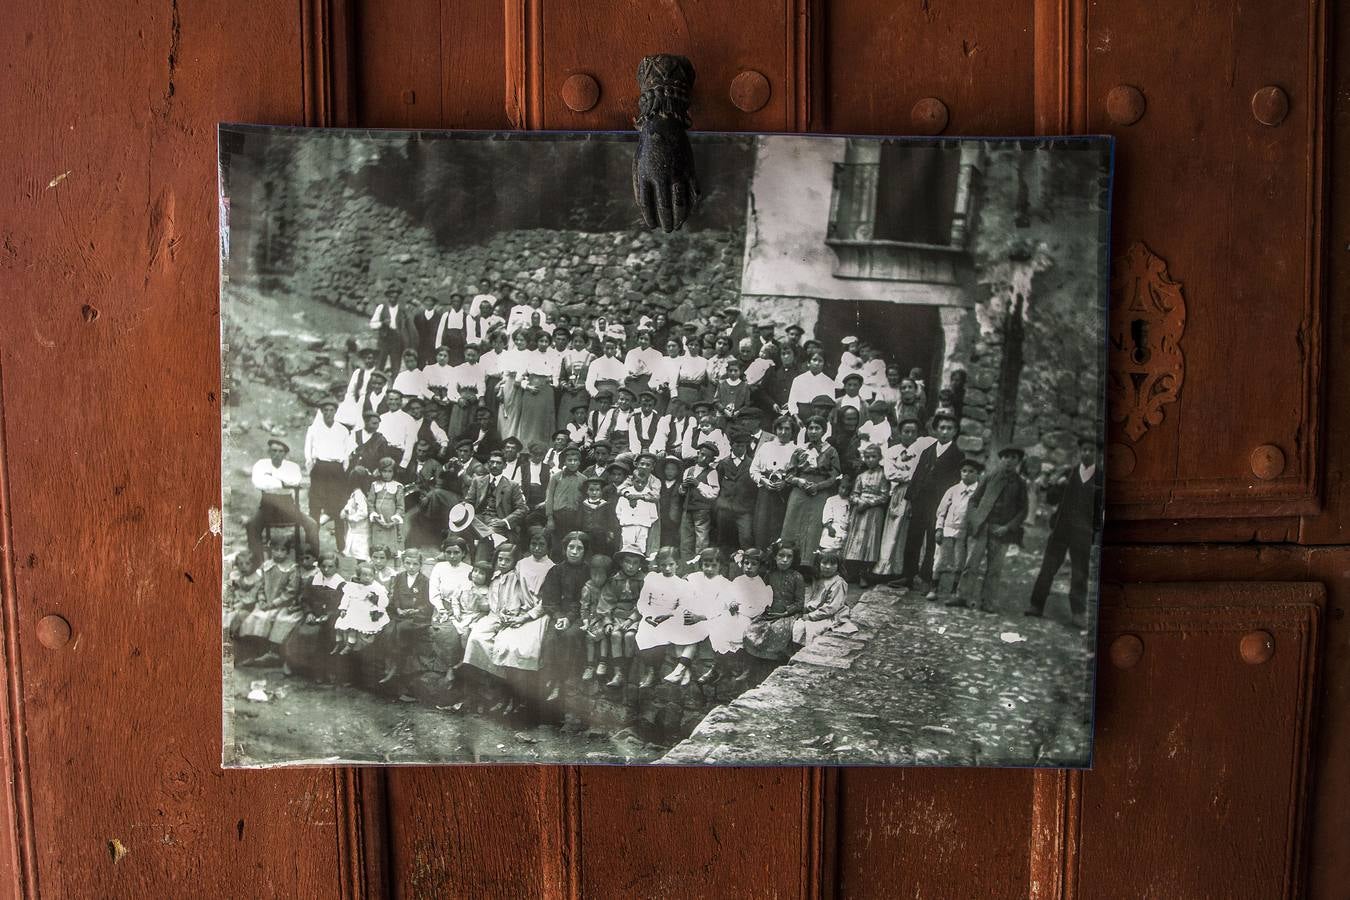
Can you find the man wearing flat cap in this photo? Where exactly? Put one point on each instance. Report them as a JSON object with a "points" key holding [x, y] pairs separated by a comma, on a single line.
{"points": [[1077, 496], [994, 518], [394, 330], [278, 480], [328, 443]]}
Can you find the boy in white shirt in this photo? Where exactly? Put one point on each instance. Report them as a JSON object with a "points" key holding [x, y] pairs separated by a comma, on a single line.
{"points": [[950, 529]]}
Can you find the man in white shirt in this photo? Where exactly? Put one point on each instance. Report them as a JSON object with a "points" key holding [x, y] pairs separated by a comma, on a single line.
{"points": [[676, 425], [349, 410], [707, 432], [376, 393], [644, 426], [278, 480], [328, 443], [399, 428]]}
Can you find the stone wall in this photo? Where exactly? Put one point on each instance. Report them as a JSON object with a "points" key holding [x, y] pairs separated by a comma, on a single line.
{"points": [[1042, 270], [351, 250]]}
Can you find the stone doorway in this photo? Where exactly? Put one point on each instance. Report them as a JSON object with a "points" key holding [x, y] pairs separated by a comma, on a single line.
{"points": [[909, 334]]}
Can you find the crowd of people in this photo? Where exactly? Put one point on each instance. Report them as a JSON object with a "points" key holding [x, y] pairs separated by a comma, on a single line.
{"points": [[552, 502]]}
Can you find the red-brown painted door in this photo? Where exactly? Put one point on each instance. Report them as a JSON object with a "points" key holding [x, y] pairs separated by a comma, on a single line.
{"points": [[1221, 766]]}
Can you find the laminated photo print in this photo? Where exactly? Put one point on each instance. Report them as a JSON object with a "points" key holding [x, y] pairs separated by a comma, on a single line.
{"points": [[509, 477]]}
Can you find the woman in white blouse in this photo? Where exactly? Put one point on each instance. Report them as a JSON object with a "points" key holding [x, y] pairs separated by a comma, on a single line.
{"points": [[767, 472], [810, 384]]}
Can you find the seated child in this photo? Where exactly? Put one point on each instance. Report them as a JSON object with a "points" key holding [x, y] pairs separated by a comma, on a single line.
{"points": [[709, 595], [826, 602], [241, 595], [597, 608], [669, 619], [362, 612], [382, 564], [449, 576], [625, 587], [770, 634]]}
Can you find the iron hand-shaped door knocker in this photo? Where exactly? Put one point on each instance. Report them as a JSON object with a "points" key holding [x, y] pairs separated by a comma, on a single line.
{"points": [[664, 184]]}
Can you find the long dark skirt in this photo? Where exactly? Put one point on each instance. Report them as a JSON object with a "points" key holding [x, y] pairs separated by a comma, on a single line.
{"points": [[770, 508], [801, 520]]}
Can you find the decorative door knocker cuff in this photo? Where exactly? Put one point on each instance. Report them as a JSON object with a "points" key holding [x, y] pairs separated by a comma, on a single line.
{"points": [[664, 184]]}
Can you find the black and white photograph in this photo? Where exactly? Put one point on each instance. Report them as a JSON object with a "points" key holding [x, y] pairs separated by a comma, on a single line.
{"points": [[508, 476]]}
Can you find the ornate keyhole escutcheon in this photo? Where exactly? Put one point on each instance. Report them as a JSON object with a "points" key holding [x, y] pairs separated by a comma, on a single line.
{"points": [[1148, 318]]}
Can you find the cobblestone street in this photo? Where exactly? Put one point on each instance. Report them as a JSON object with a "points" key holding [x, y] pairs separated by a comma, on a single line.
{"points": [[919, 684]]}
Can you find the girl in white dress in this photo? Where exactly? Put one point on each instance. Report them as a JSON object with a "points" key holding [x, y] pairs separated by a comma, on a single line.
{"points": [[357, 516], [448, 577], [709, 595], [669, 618], [362, 612], [747, 597]]}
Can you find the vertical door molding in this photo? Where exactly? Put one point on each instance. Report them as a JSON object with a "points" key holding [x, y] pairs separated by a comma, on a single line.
{"points": [[17, 842], [1060, 30], [326, 76]]}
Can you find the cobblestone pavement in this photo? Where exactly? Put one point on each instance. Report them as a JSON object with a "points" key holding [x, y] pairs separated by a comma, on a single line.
{"points": [[918, 684]]}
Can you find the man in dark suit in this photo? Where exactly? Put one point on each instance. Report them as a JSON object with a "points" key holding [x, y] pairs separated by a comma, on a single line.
{"points": [[532, 475], [1073, 531], [428, 506], [938, 468], [994, 520], [483, 434], [735, 505], [498, 504], [427, 323]]}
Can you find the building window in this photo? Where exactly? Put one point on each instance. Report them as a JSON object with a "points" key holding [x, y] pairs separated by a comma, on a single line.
{"points": [[916, 193]]}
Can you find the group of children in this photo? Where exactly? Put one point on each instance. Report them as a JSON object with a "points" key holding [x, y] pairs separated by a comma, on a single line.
{"points": [[542, 628]]}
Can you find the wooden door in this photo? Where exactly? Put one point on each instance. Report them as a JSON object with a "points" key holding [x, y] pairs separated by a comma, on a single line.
{"points": [[1223, 760]]}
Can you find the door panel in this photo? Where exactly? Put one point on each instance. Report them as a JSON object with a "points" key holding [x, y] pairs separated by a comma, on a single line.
{"points": [[899, 828], [882, 58], [1235, 214], [1202, 742], [108, 270]]}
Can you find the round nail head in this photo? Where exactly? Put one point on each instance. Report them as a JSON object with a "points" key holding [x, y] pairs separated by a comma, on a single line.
{"points": [[750, 91], [1256, 647], [581, 92], [1126, 651], [53, 632], [1267, 462], [929, 116], [1270, 105], [1125, 104]]}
